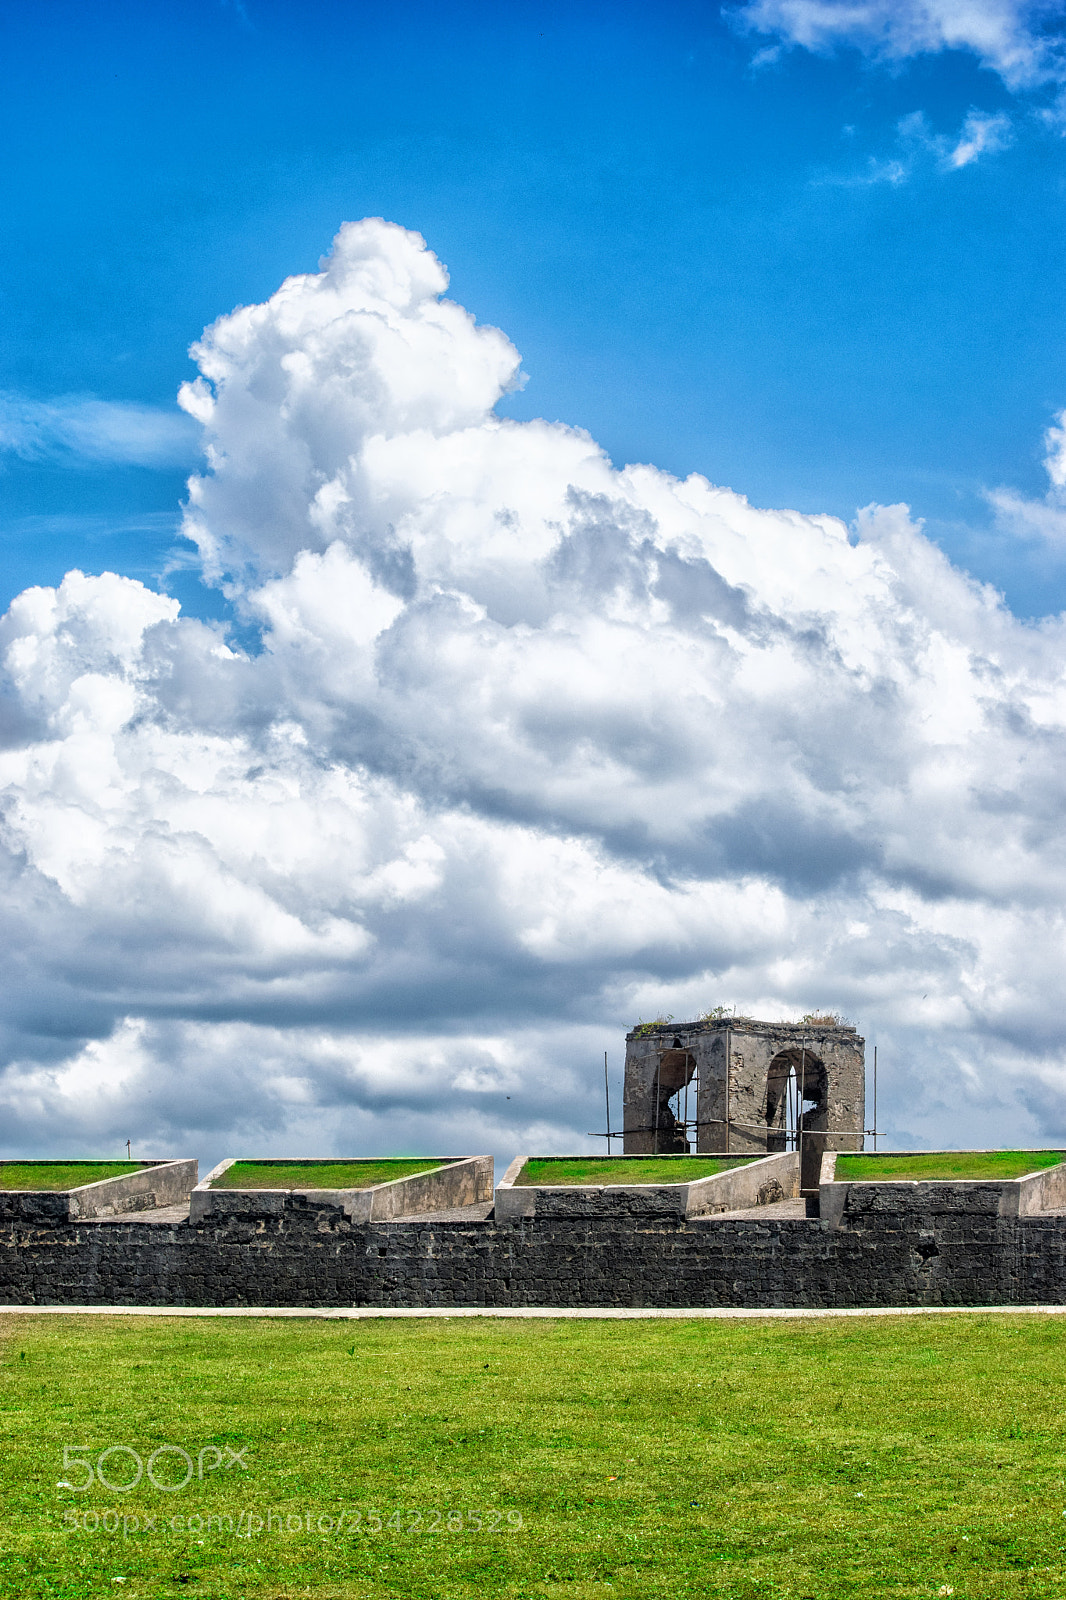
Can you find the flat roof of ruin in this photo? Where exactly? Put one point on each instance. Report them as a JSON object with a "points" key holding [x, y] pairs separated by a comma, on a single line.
{"points": [[801, 1030]]}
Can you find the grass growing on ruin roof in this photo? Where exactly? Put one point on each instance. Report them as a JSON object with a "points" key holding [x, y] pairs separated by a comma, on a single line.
{"points": [[945, 1164], [321, 1174], [552, 1171], [883, 1457], [51, 1175]]}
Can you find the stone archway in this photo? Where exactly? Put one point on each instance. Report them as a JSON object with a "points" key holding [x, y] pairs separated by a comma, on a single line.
{"points": [[797, 1087], [666, 1068], [782, 1096], [676, 1069], [797, 1104]]}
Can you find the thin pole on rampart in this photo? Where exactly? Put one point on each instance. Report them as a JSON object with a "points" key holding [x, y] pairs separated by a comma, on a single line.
{"points": [[607, 1098], [728, 1075], [875, 1097]]}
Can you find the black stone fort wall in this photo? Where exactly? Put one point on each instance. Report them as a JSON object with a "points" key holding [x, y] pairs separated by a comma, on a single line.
{"points": [[310, 1256]]}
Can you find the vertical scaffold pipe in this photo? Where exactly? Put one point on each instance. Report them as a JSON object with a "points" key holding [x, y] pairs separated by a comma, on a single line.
{"points": [[607, 1098]]}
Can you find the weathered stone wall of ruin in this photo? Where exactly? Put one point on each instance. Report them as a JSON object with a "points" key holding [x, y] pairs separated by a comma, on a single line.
{"points": [[731, 1059], [310, 1256]]}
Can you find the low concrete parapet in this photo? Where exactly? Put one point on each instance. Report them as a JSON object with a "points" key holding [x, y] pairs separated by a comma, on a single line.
{"points": [[156, 1184], [466, 1181], [844, 1201], [755, 1183]]}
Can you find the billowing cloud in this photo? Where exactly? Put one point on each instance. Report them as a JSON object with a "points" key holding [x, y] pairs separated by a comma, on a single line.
{"points": [[532, 747], [1020, 40], [82, 429]]}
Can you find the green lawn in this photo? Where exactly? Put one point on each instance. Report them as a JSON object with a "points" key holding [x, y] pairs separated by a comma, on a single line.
{"points": [[61, 1174], [321, 1174], [738, 1460], [554, 1171], [947, 1164]]}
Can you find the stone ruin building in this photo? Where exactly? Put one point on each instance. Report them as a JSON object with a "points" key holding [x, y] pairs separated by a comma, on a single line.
{"points": [[738, 1086]]}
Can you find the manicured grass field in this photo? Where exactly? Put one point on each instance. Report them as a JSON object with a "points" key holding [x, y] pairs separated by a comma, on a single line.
{"points": [[740, 1460], [545, 1171], [320, 1174], [61, 1174], [947, 1164]]}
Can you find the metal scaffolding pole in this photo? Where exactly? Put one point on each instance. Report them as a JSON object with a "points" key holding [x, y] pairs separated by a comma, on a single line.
{"points": [[607, 1098]]}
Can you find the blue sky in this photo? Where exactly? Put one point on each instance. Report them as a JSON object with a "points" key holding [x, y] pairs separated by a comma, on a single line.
{"points": [[745, 270], [493, 717]]}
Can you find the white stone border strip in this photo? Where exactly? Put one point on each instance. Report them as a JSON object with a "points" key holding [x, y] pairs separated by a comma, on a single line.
{"points": [[607, 1313]]}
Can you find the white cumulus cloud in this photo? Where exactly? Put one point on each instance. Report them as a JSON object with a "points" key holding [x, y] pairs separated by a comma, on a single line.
{"points": [[1020, 40], [532, 746]]}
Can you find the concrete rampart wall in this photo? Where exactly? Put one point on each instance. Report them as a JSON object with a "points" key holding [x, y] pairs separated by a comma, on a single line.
{"points": [[756, 1183], [460, 1183], [158, 1183], [849, 1201]]}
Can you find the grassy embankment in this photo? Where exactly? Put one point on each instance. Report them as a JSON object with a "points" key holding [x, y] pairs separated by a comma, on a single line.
{"points": [[946, 1164], [554, 1171], [61, 1174], [827, 1459], [321, 1174]]}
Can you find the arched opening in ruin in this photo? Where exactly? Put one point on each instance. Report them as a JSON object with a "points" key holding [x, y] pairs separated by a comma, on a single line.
{"points": [[675, 1076], [796, 1098]]}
